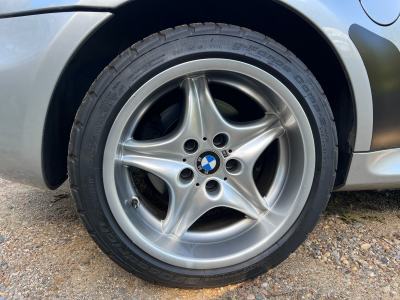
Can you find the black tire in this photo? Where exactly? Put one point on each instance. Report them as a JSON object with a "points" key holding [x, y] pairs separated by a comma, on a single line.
{"points": [[135, 66]]}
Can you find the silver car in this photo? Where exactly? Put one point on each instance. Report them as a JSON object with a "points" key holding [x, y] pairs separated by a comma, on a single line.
{"points": [[203, 154]]}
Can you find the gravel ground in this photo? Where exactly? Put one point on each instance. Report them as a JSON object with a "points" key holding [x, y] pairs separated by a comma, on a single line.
{"points": [[45, 253]]}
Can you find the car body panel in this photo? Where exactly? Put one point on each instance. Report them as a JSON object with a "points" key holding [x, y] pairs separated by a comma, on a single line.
{"points": [[11, 7], [382, 60], [56, 36], [33, 53], [382, 12], [334, 22], [374, 170]]}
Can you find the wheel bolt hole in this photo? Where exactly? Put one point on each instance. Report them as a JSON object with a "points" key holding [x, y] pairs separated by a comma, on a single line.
{"points": [[197, 184], [191, 146], [212, 185], [186, 174], [204, 139], [225, 178], [232, 165], [230, 150], [220, 140], [184, 160]]}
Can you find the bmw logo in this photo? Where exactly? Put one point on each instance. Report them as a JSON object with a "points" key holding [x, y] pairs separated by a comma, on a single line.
{"points": [[208, 162]]}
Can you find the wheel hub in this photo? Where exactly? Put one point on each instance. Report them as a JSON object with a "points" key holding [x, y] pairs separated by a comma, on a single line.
{"points": [[208, 162]]}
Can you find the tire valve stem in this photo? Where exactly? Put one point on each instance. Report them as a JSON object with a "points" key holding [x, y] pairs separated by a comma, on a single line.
{"points": [[135, 202]]}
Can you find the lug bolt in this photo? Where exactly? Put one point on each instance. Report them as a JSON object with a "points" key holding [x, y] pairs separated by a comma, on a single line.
{"points": [[231, 164], [220, 140], [211, 185], [190, 145], [186, 174]]}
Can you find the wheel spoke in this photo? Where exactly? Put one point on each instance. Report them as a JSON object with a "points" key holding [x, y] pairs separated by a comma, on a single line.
{"points": [[247, 155], [198, 90], [183, 211], [192, 122], [187, 207], [166, 169], [233, 198], [198, 96], [244, 132], [249, 152], [168, 147]]}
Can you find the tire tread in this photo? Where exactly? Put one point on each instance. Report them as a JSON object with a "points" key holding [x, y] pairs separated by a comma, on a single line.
{"points": [[130, 55]]}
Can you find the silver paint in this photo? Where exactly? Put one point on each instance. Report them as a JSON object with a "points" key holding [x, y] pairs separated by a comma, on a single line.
{"points": [[333, 20], [10, 7], [33, 53], [269, 216], [374, 170], [41, 45], [382, 12]]}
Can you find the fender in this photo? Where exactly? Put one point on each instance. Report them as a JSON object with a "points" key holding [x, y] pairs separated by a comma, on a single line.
{"points": [[34, 57]]}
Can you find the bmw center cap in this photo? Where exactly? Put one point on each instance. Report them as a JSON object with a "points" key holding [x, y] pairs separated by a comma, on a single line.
{"points": [[208, 162]]}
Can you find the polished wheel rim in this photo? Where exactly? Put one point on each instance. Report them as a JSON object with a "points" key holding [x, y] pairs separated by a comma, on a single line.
{"points": [[208, 163]]}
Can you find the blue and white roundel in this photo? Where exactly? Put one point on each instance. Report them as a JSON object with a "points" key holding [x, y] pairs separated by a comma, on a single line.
{"points": [[208, 163]]}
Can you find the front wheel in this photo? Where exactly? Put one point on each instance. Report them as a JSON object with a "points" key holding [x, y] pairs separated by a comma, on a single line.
{"points": [[202, 156]]}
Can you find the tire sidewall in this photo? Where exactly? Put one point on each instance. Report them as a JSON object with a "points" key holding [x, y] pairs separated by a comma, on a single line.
{"points": [[105, 107]]}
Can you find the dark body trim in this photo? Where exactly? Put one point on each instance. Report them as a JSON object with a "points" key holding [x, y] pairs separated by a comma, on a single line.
{"points": [[382, 61]]}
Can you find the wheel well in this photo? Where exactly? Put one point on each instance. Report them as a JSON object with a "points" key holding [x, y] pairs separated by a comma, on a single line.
{"points": [[140, 18]]}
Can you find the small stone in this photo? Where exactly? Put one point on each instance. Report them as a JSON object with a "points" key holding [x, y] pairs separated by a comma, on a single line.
{"points": [[342, 258], [259, 297], [121, 291], [24, 223], [38, 245], [327, 254], [4, 266], [264, 284], [346, 262], [337, 257], [384, 260], [250, 297], [357, 225], [3, 297], [386, 289], [264, 291], [354, 269], [11, 207], [255, 289], [2, 239], [365, 246], [347, 272]]}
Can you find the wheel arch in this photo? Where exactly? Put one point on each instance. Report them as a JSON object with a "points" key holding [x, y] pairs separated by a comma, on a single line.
{"points": [[138, 19]]}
